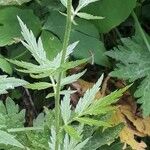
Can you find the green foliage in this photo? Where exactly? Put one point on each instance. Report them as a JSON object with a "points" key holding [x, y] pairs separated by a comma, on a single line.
{"points": [[5, 66], [52, 45], [10, 117], [39, 85], [101, 138], [9, 83], [113, 146], [134, 58], [46, 58], [71, 135], [13, 121], [81, 5], [85, 32], [10, 33], [13, 2], [8, 139], [113, 11]]}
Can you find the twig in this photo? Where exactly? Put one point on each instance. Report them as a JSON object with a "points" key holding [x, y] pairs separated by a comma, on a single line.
{"points": [[104, 86], [31, 101]]}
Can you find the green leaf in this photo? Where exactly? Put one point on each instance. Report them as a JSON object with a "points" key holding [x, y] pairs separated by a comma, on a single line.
{"points": [[113, 146], [85, 32], [72, 132], [84, 3], [93, 122], [72, 78], [5, 66], [19, 52], [134, 64], [88, 16], [45, 72], [11, 33], [23, 64], [39, 86], [71, 144], [13, 115], [63, 92], [114, 11], [35, 47], [51, 43], [66, 108], [8, 139], [52, 138], [103, 105], [11, 107], [64, 2], [13, 2], [9, 83], [101, 138], [88, 97]]}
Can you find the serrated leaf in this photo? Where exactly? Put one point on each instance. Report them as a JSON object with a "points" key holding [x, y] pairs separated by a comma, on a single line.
{"points": [[134, 64], [46, 67], [66, 108], [92, 122], [47, 71], [13, 2], [5, 66], [8, 139], [101, 138], [72, 78], [84, 3], [11, 107], [71, 144], [88, 97], [7, 83], [81, 145], [39, 86], [103, 105], [64, 2], [88, 16], [72, 132], [12, 114], [53, 139], [35, 47]]}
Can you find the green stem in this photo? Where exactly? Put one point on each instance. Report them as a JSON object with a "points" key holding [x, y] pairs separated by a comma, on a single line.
{"points": [[141, 31], [58, 87]]}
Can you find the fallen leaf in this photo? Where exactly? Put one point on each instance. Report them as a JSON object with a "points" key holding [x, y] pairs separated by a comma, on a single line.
{"points": [[135, 126], [81, 87]]}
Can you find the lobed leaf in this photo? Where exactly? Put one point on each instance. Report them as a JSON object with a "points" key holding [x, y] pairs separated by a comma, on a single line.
{"points": [[92, 122], [66, 108], [88, 97], [134, 64], [72, 132], [9, 83], [8, 139], [38, 86]]}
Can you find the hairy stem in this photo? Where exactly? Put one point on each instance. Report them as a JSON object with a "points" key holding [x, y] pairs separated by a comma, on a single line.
{"points": [[141, 31], [58, 87]]}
